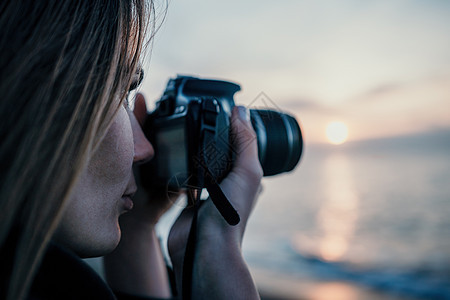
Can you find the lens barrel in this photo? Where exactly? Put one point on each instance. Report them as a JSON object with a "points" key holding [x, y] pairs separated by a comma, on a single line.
{"points": [[279, 138]]}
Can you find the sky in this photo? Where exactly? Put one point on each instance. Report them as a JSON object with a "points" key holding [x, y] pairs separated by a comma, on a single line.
{"points": [[381, 67]]}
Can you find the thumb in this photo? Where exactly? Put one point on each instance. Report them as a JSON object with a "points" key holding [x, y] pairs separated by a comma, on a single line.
{"points": [[244, 139]]}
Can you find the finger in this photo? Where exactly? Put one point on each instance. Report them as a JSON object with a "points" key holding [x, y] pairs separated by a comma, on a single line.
{"points": [[140, 108], [245, 142]]}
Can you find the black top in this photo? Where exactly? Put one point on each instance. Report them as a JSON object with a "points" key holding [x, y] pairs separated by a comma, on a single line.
{"points": [[63, 275]]}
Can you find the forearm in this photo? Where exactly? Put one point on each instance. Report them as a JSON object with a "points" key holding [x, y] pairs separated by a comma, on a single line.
{"points": [[137, 265], [220, 272]]}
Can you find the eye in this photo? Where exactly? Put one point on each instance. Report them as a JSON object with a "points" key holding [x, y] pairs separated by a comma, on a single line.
{"points": [[137, 79]]}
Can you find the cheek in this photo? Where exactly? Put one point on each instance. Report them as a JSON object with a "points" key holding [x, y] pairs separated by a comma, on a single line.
{"points": [[113, 160], [91, 218], [112, 166]]}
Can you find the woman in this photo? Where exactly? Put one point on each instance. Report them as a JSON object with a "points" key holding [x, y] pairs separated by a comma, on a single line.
{"points": [[68, 147]]}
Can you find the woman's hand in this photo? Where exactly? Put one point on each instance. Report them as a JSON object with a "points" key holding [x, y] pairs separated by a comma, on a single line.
{"points": [[219, 269]]}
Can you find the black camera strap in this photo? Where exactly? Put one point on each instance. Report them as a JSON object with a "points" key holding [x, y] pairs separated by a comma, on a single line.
{"points": [[228, 212], [216, 194], [221, 201], [208, 157], [188, 261]]}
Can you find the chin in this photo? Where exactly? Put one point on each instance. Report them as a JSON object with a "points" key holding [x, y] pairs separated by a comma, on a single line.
{"points": [[100, 246], [98, 251]]}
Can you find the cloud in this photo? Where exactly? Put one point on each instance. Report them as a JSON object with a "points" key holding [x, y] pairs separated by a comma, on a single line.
{"points": [[382, 90], [302, 104]]}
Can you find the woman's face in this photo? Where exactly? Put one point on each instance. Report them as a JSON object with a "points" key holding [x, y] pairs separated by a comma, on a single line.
{"points": [[90, 223]]}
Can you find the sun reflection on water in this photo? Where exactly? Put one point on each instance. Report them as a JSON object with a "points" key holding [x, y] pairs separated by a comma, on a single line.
{"points": [[338, 214]]}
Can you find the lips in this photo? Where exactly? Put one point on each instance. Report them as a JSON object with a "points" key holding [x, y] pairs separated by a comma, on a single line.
{"points": [[128, 195]]}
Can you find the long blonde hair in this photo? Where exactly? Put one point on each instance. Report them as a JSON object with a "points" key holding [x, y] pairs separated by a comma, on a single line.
{"points": [[65, 69]]}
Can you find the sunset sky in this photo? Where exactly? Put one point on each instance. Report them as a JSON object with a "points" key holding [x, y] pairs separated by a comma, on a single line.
{"points": [[381, 67]]}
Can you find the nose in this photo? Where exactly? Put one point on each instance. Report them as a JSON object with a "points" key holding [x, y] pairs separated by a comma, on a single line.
{"points": [[143, 149]]}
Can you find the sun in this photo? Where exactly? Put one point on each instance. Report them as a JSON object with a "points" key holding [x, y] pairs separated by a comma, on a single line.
{"points": [[337, 133]]}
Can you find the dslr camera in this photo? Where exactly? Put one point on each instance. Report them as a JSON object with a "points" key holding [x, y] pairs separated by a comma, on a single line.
{"points": [[190, 131]]}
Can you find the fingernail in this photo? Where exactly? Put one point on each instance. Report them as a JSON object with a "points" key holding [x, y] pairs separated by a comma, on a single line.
{"points": [[244, 113]]}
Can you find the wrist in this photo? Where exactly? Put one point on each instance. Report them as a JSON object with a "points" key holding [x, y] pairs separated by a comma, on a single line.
{"points": [[214, 231]]}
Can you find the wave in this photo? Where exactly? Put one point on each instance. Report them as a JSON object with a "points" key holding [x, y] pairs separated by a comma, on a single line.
{"points": [[413, 283]]}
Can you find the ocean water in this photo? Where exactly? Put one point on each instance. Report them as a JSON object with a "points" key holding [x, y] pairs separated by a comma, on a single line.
{"points": [[373, 214]]}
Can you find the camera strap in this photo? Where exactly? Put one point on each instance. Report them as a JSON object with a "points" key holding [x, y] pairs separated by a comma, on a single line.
{"points": [[188, 261], [210, 157], [221, 201], [205, 162], [229, 214]]}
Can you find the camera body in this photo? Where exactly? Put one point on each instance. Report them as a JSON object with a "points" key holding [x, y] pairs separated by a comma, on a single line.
{"points": [[190, 131]]}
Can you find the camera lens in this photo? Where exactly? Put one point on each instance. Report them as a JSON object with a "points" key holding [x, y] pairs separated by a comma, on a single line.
{"points": [[279, 140]]}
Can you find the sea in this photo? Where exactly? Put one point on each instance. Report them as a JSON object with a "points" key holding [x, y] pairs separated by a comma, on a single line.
{"points": [[359, 220]]}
